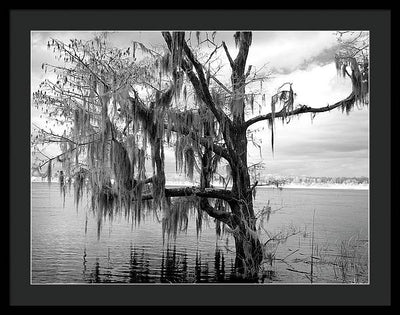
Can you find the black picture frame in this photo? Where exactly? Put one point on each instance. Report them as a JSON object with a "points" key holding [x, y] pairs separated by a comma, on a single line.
{"points": [[378, 292]]}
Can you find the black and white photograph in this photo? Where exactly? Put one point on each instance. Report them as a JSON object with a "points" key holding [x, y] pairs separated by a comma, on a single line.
{"points": [[198, 157]]}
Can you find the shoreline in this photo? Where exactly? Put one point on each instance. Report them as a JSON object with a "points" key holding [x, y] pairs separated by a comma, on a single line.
{"points": [[332, 186], [290, 186]]}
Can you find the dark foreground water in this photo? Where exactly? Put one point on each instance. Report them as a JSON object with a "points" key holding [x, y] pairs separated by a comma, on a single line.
{"points": [[66, 248]]}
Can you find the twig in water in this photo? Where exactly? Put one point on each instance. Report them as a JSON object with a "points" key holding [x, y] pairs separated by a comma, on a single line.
{"points": [[312, 250]]}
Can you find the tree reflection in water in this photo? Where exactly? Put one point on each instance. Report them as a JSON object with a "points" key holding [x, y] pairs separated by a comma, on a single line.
{"points": [[175, 268], [138, 267]]}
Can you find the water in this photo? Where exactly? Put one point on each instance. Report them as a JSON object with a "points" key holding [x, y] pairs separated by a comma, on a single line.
{"points": [[66, 247]]}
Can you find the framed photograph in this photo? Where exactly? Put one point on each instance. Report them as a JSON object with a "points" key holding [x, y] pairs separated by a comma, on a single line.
{"points": [[200, 157]]}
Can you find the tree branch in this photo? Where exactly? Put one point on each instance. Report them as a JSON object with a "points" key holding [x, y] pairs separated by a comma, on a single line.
{"points": [[301, 110], [220, 215], [220, 84], [195, 192], [253, 186], [76, 57], [228, 55], [248, 71], [68, 151], [200, 82], [144, 113], [227, 195], [217, 149]]}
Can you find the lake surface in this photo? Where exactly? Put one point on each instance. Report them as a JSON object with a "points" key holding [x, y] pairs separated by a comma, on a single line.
{"points": [[66, 247]]}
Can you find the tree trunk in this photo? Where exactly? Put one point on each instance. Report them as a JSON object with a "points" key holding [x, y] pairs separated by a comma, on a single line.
{"points": [[249, 253], [248, 257]]}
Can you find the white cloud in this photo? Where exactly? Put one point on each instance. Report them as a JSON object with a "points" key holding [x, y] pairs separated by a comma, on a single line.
{"points": [[288, 50], [332, 144]]}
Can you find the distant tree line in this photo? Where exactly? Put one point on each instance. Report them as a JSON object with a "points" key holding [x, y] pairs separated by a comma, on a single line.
{"points": [[282, 180]]}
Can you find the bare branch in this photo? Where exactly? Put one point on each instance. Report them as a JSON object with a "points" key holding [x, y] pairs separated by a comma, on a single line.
{"points": [[212, 53], [220, 84], [76, 57], [66, 152], [248, 71], [228, 55]]}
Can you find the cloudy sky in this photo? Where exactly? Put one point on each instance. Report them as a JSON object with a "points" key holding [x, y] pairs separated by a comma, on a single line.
{"points": [[331, 144]]}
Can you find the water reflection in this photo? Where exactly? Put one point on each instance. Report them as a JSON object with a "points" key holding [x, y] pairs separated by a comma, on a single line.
{"points": [[219, 266], [84, 263], [95, 275], [138, 266], [174, 267]]}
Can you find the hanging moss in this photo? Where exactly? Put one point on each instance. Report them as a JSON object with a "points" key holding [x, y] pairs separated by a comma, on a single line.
{"points": [[359, 75], [49, 171], [189, 162], [220, 205], [79, 185], [199, 219], [274, 101], [62, 185], [285, 100], [121, 167], [119, 129], [252, 103], [176, 216]]}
